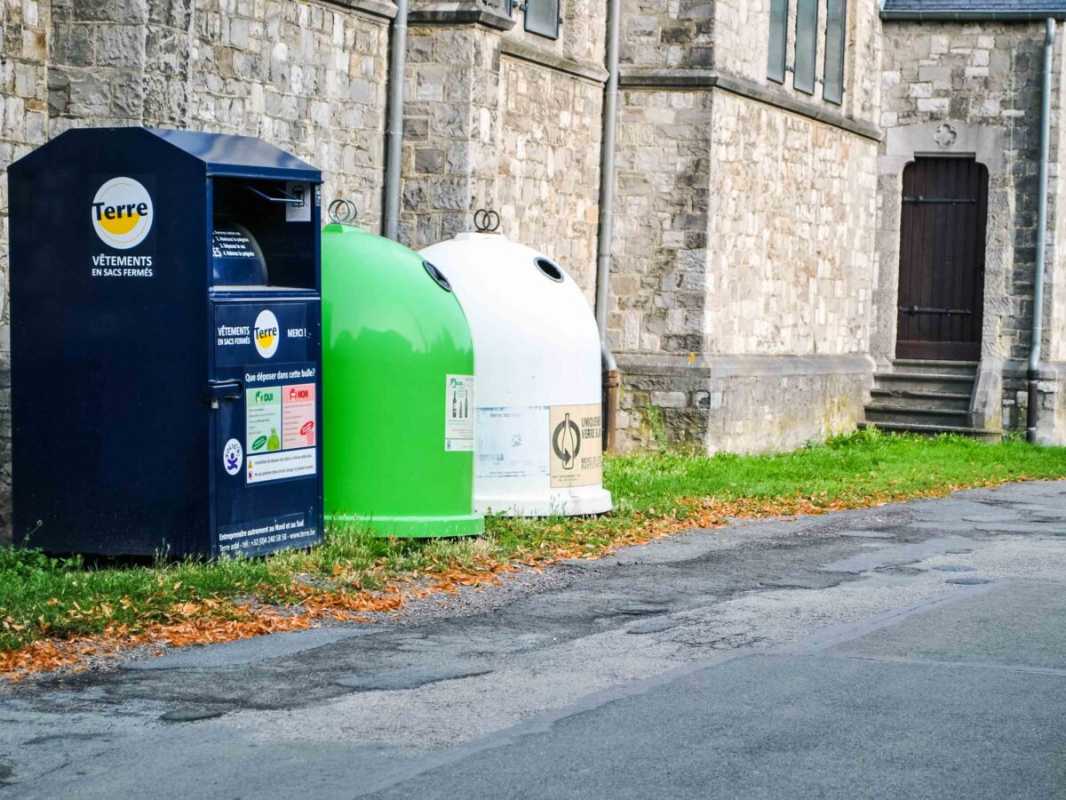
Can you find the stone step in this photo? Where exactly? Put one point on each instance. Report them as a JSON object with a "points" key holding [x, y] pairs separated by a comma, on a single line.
{"points": [[924, 382], [968, 368], [934, 430], [940, 401], [916, 415]]}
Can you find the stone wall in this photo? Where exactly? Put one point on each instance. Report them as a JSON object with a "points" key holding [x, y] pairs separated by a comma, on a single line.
{"points": [[793, 222], [549, 165], [974, 89], [1055, 310], [659, 270], [499, 117], [745, 258], [451, 108], [306, 75], [678, 35], [309, 77]]}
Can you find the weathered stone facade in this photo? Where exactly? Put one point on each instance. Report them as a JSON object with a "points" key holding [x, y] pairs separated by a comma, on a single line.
{"points": [[308, 76], [973, 89], [745, 256], [502, 118]]}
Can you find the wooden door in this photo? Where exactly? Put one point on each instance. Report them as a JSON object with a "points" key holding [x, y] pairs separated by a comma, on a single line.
{"points": [[942, 259]]}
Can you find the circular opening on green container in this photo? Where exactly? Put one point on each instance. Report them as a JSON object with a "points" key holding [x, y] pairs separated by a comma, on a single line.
{"points": [[549, 269], [437, 276]]}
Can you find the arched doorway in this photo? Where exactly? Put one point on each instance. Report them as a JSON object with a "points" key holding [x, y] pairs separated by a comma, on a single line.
{"points": [[942, 259]]}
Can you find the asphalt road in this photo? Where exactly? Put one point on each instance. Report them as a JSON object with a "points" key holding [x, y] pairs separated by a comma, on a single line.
{"points": [[913, 651]]}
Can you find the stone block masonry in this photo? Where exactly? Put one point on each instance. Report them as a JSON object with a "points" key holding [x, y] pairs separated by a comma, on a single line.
{"points": [[745, 259], [659, 275], [498, 117], [309, 77], [549, 164], [792, 227], [743, 289], [741, 404]]}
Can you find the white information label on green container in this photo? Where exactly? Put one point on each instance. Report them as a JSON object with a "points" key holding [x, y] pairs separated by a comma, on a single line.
{"points": [[459, 413], [263, 420]]}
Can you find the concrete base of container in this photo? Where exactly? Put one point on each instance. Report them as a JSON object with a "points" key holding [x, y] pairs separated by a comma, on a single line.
{"points": [[575, 503], [410, 527]]}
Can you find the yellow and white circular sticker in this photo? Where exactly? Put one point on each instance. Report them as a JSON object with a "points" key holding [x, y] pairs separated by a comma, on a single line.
{"points": [[266, 334], [122, 213]]}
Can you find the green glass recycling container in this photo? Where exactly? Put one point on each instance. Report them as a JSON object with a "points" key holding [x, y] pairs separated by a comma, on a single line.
{"points": [[398, 392]]}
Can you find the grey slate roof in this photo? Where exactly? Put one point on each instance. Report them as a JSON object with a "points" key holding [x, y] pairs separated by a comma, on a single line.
{"points": [[975, 8]]}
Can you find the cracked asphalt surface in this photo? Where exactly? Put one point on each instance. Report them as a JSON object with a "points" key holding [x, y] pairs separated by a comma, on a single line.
{"points": [[915, 650]]}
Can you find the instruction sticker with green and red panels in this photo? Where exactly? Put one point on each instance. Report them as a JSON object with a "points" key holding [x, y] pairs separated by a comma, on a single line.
{"points": [[281, 432]]}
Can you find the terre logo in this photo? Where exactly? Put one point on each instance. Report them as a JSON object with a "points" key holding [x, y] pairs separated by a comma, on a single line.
{"points": [[266, 334], [122, 213]]}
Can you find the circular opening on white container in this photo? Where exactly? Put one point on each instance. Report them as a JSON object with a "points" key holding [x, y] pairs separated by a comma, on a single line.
{"points": [[549, 269], [437, 276]]}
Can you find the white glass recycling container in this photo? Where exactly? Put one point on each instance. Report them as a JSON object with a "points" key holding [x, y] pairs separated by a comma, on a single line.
{"points": [[539, 442]]}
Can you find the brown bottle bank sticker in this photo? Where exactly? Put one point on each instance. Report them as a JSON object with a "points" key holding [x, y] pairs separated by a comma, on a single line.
{"points": [[575, 449]]}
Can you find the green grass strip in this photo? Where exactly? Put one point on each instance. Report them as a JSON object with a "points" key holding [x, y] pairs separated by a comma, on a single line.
{"points": [[43, 597]]}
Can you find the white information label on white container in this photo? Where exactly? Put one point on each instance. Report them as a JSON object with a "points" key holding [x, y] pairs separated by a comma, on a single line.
{"points": [[281, 465], [513, 442], [459, 413]]}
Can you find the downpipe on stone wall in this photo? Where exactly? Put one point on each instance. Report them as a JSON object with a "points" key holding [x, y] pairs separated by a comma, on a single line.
{"points": [[1035, 352], [394, 131], [612, 377]]}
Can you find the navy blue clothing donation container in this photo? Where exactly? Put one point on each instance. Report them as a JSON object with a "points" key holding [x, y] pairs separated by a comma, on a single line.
{"points": [[165, 349]]}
